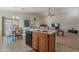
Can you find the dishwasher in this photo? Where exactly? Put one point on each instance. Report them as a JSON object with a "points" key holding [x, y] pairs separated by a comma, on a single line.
{"points": [[28, 38]]}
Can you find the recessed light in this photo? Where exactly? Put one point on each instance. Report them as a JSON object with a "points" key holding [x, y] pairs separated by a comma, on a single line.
{"points": [[17, 17], [13, 17]]}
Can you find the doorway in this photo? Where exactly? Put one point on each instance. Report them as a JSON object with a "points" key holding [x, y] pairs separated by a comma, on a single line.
{"points": [[8, 27]]}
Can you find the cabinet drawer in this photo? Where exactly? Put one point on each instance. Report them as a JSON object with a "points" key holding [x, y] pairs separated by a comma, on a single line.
{"points": [[41, 35], [35, 33]]}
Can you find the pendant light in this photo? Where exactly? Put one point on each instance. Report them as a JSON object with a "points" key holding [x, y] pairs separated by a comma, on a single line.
{"points": [[50, 14]]}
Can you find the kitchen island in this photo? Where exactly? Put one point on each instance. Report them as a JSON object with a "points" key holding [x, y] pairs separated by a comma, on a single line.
{"points": [[44, 41]]}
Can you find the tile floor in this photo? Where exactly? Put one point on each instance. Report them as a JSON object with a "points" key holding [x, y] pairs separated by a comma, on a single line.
{"points": [[68, 43], [18, 46]]}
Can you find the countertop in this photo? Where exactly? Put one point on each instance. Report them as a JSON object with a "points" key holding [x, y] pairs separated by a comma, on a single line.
{"points": [[45, 32]]}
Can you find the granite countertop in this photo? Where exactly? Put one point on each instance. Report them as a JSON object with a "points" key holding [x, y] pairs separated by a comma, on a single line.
{"points": [[45, 32]]}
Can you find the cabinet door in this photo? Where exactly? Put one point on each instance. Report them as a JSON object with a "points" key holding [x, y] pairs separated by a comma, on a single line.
{"points": [[35, 40], [52, 43], [43, 42]]}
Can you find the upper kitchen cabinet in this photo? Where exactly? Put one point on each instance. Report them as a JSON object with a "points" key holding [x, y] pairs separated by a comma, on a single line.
{"points": [[26, 23]]}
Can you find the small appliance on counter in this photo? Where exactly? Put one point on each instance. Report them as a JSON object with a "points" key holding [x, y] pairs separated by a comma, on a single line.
{"points": [[43, 28]]}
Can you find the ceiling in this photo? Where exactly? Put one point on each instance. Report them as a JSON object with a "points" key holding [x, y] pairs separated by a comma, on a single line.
{"points": [[28, 9], [39, 10]]}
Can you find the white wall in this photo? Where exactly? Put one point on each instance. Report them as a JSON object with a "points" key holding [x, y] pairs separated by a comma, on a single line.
{"points": [[0, 26], [68, 18]]}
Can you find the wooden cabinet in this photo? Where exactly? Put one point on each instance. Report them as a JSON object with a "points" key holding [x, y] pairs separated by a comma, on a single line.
{"points": [[52, 42], [43, 42], [35, 40]]}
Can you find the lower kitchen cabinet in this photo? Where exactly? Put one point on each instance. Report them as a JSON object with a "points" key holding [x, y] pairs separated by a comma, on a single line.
{"points": [[51, 42], [35, 40], [43, 42]]}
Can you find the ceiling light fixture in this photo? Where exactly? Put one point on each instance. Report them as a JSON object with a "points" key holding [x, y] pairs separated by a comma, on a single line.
{"points": [[50, 14], [15, 17]]}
